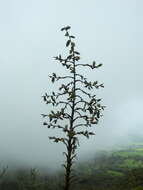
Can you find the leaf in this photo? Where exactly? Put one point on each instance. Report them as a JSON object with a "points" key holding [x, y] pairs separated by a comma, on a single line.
{"points": [[93, 65], [54, 74], [72, 95], [102, 85], [68, 42], [99, 65], [67, 34], [77, 58], [98, 114], [69, 57], [68, 66], [95, 83], [72, 36], [67, 27], [62, 29], [90, 110], [44, 97], [73, 44], [56, 57], [53, 79], [91, 133], [60, 57], [44, 115], [76, 52], [50, 117]]}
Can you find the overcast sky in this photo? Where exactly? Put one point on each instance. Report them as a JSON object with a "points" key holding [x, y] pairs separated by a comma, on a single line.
{"points": [[106, 31]]}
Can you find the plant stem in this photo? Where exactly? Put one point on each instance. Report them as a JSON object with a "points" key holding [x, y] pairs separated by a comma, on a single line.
{"points": [[71, 145]]}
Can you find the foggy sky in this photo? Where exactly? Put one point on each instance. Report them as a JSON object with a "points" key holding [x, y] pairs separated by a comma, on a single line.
{"points": [[106, 31]]}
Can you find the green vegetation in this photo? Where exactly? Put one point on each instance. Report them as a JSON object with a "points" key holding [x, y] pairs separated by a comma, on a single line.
{"points": [[131, 163], [115, 173], [129, 153], [109, 170]]}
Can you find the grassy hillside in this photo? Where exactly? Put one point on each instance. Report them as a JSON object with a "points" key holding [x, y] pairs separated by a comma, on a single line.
{"points": [[120, 169]]}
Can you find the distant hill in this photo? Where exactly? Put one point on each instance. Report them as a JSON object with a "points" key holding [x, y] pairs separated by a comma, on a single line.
{"points": [[117, 169]]}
